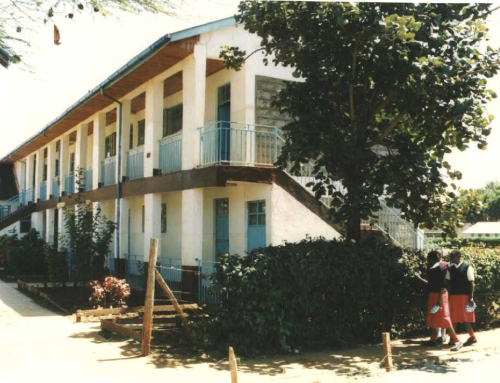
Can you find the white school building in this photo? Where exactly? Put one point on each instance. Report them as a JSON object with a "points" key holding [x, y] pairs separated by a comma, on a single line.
{"points": [[171, 146]]}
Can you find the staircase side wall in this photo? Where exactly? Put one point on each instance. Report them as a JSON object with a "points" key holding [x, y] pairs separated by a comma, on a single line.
{"points": [[293, 222]]}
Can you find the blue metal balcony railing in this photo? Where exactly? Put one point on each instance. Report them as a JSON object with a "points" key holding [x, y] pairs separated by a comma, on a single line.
{"points": [[234, 143], [108, 171], [54, 193], [171, 153], [87, 179], [16, 203], [135, 163], [43, 191], [69, 183]]}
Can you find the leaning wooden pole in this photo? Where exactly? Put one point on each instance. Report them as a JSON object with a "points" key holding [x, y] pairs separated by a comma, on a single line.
{"points": [[170, 296], [233, 366], [386, 340], [150, 296]]}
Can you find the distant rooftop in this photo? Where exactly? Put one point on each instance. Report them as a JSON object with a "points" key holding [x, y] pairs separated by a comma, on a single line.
{"points": [[483, 228]]}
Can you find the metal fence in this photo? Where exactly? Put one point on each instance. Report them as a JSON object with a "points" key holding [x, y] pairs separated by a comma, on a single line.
{"points": [[171, 153], [110, 263], [16, 203], [69, 183], [87, 179], [135, 163], [55, 187], [235, 143], [205, 294], [43, 191], [108, 171], [135, 267], [171, 271]]}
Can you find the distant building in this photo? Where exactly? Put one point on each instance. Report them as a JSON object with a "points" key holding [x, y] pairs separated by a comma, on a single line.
{"points": [[482, 230], [433, 233]]}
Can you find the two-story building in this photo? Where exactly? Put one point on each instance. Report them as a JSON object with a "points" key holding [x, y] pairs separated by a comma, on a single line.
{"points": [[176, 147]]}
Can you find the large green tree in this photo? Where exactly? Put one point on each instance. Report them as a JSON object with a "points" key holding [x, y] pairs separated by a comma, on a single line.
{"points": [[384, 91], [19, 17]]}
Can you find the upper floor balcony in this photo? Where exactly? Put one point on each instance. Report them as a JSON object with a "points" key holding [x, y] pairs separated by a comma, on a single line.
{"points": [[236, 143]]}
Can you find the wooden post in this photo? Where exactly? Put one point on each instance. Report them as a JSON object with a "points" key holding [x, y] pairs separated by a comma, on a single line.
{"points": [[386, 340], [170, 296], [149, 302], [233, 367]]}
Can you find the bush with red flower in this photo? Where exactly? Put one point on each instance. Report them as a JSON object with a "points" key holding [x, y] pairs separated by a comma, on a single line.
{"points": [[112, 293]]}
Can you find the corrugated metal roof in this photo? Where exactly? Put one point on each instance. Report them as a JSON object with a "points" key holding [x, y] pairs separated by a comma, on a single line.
{"points": [[483, 228]]}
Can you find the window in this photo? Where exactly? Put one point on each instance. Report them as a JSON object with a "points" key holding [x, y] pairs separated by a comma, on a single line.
{"points": [[72, 162], [110, 145], [25, 224], [44, 177], [487, 235], [141, 128], [58, 151], [172, 120], [163, 217], [224, 94], [256, 213], [131, 137], [143, 219]]}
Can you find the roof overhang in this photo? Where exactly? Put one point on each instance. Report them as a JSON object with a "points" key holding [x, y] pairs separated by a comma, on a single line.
{"points": [[157, 58]]}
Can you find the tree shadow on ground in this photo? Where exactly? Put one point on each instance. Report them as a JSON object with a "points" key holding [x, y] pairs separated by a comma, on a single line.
{"points": [[169, 349]]}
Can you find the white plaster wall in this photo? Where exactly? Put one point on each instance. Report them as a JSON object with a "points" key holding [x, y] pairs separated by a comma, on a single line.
{"points": [[238, 197], [292, 221], [9, 230], [136, 234], [171, 241], [172, 100], [19, 168]]}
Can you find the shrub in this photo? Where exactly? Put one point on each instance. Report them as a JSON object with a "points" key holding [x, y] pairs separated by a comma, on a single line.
{"points": [[26, 256], [6, 243], [454, 243], [57, 265], [314, 292], [329, 292], [112, 293]]}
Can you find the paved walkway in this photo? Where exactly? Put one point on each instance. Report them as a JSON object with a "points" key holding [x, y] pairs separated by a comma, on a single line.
{"points": [[37, 345]]}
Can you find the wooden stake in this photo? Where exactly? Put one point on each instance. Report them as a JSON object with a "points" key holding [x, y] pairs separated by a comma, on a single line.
{"points": [[149, 301], [233, 367], [170, 296], [386, 340]]}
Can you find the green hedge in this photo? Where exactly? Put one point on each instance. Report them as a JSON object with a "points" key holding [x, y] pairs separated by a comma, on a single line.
{"points": [[26, 255], [327, 292], [454, 243]]}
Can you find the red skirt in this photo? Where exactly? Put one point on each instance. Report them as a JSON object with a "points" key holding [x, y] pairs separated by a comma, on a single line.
{"points": [[441, 319], [457, 309]]}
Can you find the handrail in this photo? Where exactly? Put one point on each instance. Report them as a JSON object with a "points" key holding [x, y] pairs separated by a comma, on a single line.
{"points": [[109, 160], [131, 152], [170, 138]]}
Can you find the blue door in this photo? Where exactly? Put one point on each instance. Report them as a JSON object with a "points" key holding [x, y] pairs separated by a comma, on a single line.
{"points": [[256, 235], [221, 227], [224, 116]]}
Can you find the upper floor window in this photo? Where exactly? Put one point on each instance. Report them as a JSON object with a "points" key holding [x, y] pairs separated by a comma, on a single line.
{"points": [[224, 94], [72, 162], [131, 137], [141, 130], [163, 218], [110, 145], [172, 120]]}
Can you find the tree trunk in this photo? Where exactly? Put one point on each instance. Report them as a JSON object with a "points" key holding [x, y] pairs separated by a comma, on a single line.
{"points": [[354, 225]]}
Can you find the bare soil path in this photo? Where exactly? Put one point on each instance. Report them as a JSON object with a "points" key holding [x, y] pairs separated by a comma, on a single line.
{"points": [[38, 345]]}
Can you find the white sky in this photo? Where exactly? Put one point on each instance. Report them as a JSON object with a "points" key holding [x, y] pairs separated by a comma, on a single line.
{"points": [[93, 48]]}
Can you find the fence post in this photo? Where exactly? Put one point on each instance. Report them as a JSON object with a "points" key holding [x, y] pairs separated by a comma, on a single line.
{"points": [[149, 302], [233, 367], [386, 339]]}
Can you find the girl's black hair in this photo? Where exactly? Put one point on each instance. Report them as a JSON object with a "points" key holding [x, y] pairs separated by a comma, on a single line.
{"points": [[433, 256]]}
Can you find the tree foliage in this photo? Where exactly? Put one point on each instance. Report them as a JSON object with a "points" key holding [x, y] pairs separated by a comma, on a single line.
{"points": [[88, 238], [21, 16], [384, 92]]}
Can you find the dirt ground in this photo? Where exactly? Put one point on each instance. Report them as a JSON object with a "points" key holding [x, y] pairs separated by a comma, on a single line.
{"points": [[38, 345]]}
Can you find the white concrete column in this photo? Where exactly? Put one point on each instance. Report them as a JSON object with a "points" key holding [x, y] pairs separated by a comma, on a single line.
{"points": [[249, 71], [152, 222], [49, 225], [98, 144], [38, 173], [64, 161], [125, 137], [154, 126], [123, 227], [51, 169], [193, 99], [37, 221], [61, 228], [192, 226], [82, 134]]}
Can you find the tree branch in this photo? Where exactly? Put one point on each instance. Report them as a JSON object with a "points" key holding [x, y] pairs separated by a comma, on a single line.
{"points": [[381, 106], [388, 131], [477, 71]]}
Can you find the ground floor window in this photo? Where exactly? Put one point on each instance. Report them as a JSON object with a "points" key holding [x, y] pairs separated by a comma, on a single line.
{"points": [[25, 224]]}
